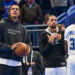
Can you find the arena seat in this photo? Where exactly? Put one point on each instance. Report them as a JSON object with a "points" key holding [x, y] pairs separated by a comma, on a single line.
{"points": [[72, 8]]}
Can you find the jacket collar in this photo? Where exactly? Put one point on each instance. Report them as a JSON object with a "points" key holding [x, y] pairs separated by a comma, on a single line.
{"points": [[48, 30]]}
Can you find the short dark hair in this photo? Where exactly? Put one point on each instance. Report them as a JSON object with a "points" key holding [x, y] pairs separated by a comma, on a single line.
{"points": [[46, 16]]}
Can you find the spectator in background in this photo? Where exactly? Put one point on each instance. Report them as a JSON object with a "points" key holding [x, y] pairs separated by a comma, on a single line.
{"points": [[32, 64], [31, 12], [45, 18], [51, 44], [6, 4]]}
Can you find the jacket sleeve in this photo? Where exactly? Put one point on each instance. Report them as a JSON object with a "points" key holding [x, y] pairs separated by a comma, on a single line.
{"points": [[44, 45], [39, 62], [26, 37], [3, 39], [39, 11]]}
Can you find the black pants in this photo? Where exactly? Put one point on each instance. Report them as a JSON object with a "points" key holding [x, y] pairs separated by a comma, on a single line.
{"points": [[9, 70]]}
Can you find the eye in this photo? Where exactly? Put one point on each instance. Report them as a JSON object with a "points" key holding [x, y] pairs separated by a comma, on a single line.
{"points": [[53, 19], [12, 8], [15, 9]]}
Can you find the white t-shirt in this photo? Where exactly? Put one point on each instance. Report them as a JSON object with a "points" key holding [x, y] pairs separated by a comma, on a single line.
{"points": [[69, 36]]}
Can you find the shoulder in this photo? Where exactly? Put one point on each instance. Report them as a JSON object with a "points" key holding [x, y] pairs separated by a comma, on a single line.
{"points": [[24, 5], [36, 4], [2, 22], [69, 28], [22, 26], [2, 25], [43, 34]]}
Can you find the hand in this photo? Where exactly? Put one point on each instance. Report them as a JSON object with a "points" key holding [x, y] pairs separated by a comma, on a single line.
{"points": [[51, 38], [32, 64], [15, 45], [63, 28], [57, 36], [27, 64], [21, 49]]}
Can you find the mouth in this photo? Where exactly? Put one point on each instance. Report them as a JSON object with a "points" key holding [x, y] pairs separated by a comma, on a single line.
{"points": [[53, 26], [14, 13]]}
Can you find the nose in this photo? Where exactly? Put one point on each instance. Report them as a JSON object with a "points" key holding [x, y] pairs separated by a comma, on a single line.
{"points": [[15, 9]]}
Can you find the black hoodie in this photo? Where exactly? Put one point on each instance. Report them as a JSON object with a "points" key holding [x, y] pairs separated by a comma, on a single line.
{"points": [[11, 32], [53, 54]]}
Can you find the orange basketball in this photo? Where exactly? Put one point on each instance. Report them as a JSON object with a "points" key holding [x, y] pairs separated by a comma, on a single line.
{"points": [[21, 49]]}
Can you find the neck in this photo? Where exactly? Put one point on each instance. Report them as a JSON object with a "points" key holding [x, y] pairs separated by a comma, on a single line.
{"points": [[53, 30], [15, 19]]}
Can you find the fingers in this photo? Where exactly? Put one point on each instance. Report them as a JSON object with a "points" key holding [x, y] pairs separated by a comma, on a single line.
{"points": [[51, 38], [58, 36], [14, 46]]}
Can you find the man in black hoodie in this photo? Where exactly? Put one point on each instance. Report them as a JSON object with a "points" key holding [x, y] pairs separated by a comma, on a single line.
{"points": [[51, 44], [11, 31]]}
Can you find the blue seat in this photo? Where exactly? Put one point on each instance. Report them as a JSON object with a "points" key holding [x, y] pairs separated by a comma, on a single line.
{"points": [[61, 16], [71, 17], [64, 21], [72, 8]]}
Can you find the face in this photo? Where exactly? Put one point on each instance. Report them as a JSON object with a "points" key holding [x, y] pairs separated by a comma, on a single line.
{"points": [[30, 1], [14, 11], [52, 22]]}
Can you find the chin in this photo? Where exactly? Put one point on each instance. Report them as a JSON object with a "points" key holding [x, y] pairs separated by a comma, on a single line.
{"points": [[14, 15]]}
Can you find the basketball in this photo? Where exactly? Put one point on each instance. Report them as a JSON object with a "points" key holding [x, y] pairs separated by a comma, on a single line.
{"points": [[20, 49]]}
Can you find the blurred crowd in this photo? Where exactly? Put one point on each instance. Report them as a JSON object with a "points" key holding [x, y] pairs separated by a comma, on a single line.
{"points": [[33, 11]]}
